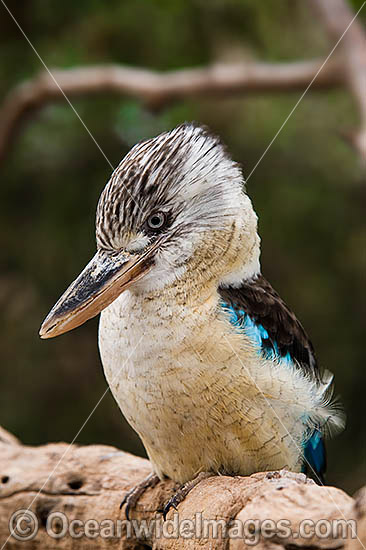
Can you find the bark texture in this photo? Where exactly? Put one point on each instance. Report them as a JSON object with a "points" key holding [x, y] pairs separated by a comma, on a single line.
{"points": [[88, 483]]}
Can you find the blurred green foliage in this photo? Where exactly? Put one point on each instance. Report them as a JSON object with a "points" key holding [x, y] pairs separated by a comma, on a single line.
{"points": [[309, 192]]}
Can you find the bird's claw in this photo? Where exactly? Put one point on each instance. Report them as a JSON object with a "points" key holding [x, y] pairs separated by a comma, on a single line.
{"points": [[126, 500], [130, 500], [131, 497], [172, 503], [182, 492]]}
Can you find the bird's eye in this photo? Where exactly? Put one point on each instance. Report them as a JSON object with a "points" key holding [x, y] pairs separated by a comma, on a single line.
{"points": [[156, 221]]}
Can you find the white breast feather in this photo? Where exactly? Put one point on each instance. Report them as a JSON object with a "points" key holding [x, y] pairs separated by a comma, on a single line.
{"points": [[198, 394]]}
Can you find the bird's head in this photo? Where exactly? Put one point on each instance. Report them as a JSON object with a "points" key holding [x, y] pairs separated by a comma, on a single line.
{"points": [[174, 210]]}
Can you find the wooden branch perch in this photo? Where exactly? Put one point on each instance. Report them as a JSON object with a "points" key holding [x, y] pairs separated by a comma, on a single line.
{"points": [[88, 483]]}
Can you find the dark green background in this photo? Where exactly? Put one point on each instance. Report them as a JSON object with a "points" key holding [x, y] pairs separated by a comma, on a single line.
{"points": [[309, 193]]}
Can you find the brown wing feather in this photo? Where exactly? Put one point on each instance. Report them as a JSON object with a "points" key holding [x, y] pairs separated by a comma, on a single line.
{"points": [[265, 307]]}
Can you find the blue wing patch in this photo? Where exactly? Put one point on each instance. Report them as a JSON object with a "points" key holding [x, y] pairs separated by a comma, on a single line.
{"points": [[257, 333], [314, 448]]}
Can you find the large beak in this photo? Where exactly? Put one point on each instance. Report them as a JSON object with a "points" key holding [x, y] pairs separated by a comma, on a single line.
{"points": [[98, 285]]}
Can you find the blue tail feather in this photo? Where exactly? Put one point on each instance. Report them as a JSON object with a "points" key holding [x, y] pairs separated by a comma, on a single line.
{"points": [[315, 456]]}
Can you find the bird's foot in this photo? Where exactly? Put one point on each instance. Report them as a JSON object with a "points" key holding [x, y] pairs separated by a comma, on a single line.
{"points": [[183, 491], [131, 498]]}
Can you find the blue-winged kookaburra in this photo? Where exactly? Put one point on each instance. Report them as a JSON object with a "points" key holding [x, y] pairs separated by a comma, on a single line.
{"points": [[205, 360]]}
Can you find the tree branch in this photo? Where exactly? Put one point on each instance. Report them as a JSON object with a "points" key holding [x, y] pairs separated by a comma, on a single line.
{"points": [[156, 89], [336, 16], [88, 483]]}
